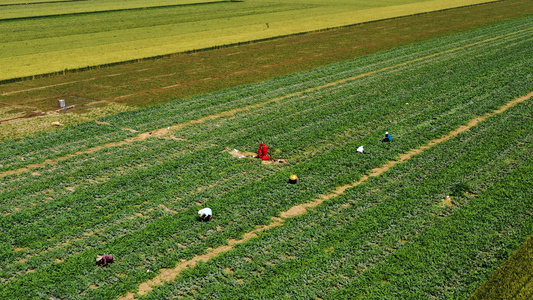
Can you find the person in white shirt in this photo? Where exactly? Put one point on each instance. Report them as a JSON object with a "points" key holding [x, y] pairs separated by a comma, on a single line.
{"points": [[205, 214]]}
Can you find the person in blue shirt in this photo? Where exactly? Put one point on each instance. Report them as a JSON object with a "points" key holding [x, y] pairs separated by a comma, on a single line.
{"points": [[387, 138]]}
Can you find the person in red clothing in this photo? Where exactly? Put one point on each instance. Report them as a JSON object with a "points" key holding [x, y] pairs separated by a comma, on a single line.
{"points": [[103, 260], [262, 152]]}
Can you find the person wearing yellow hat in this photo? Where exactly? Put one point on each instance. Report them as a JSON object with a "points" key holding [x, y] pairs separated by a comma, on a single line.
{"points": [[293, 179]]}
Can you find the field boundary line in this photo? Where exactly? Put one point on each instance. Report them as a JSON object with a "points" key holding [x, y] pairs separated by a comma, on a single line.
{"points": [[170, 274], [163, 131]]}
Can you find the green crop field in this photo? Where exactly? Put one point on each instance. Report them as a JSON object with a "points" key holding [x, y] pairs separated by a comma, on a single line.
{"points": [[130, 184], [80, 34]]}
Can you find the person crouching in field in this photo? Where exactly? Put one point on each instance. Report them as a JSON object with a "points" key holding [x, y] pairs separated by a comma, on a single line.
{"points": [[387, 138], [104, 260], [205, 214]]}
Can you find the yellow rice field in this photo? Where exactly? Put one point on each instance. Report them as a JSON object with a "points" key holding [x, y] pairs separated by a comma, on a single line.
{"points": [[26, 58]]}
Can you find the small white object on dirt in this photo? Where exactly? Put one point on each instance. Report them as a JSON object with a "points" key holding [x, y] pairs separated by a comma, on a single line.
{"points": [[360, 149], [239, 155], [168, 128]]}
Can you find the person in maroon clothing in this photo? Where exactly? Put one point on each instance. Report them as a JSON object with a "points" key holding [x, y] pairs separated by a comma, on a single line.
{"points": [[103, 260]]}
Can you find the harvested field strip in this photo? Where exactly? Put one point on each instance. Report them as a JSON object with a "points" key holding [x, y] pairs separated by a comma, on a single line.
{"points": [[163, 131], [179, 84], [170, 274]]}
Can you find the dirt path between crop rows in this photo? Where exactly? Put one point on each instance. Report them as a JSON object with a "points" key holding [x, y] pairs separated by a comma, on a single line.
{"points": [[170, 274], [164, 131]]}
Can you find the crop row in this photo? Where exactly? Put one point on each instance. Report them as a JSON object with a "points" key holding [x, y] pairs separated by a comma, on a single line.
{"points": [[36, 149], [393, 237]]}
